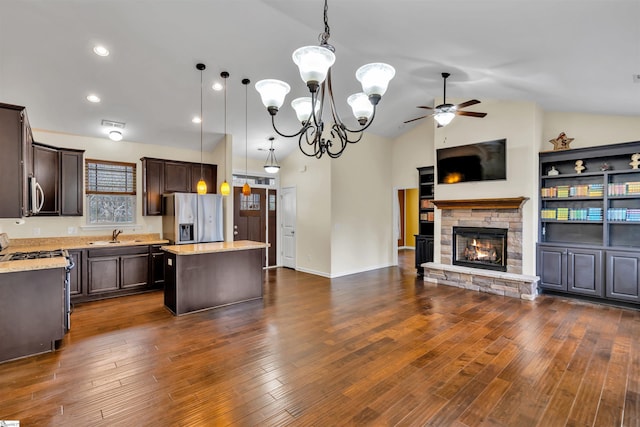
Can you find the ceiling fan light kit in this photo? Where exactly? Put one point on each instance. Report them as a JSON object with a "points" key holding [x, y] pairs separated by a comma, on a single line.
{"points": [[314, 64], [444, 113]]}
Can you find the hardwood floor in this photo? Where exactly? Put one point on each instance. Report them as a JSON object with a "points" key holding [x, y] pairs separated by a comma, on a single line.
{"points": [[375, 348]]}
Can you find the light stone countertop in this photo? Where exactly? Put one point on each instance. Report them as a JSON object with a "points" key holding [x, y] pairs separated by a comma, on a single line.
{"points": [[204, 248], [78, 242]]}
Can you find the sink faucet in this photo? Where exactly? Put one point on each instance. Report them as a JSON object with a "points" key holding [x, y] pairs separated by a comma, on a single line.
{"points": [[115, 234]]}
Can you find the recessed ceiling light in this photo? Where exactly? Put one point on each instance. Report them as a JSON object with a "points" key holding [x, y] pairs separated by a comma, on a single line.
{"points": [[93, 98], [101, 51], [217, 86], [196, 120]]}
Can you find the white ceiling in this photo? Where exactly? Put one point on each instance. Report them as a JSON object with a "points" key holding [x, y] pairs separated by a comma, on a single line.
{"points": [[565, 55]]}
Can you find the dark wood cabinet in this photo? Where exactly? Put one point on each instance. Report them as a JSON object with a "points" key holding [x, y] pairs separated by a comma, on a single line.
{"points": [[424, 251], [171, 176], [46, 171], [152, 186], [71, 182], [156, 266], [76, 279], [117, 269], [177, 177], [623, 276], [589, 221], [15, 162], [426, 213]]}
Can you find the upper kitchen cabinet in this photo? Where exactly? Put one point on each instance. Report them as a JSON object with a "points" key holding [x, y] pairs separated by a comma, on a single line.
{"points": [[170, 176], [58, 173], [15, 163], [46, 172]]}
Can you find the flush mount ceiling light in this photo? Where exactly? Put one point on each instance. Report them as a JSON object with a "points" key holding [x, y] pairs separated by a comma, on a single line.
{"points": [[271, 165], [113, 129], [101, 51], [115, 135], [93, 98], [314, 63]]}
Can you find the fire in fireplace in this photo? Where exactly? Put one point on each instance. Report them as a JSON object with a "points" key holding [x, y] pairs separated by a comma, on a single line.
{"points": [[480, 247]]}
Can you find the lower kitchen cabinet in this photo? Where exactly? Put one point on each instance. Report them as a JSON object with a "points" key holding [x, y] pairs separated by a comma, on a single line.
{"points": [[112, 271], [75, 278], [156, 266], [623, 276]]}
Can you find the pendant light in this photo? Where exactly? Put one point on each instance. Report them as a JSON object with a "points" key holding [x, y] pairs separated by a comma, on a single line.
{"points": [[201, 187], [246, 189], [225, 189], [271, 165]]}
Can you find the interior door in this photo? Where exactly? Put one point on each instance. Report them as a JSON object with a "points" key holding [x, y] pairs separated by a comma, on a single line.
{"points": [[288, 228], [249, 215], [272, 227], [400, 219]]}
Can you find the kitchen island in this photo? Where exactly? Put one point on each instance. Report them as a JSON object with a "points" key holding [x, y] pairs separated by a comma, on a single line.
{"points": [[208, 275]]}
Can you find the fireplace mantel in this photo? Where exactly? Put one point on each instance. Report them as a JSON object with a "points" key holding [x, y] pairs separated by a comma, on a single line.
{"points": [[506, 203]]}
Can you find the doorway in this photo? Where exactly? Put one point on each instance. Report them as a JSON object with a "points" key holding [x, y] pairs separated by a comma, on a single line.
{"points": [[406, 217], [288, 227], [254, 218]]}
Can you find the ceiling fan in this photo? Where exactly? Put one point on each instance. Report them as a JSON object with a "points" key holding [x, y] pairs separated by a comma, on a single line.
{"points": [[444, 113]]}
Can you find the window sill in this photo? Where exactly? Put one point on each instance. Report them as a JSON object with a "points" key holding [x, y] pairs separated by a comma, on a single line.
{"points": [[111, 227]]}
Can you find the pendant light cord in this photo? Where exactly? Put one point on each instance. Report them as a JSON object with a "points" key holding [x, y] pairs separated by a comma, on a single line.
{"points": [[201, 120]]}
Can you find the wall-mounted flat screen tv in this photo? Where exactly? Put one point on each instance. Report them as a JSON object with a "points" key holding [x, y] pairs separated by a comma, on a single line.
{"points": [[482, 161]]}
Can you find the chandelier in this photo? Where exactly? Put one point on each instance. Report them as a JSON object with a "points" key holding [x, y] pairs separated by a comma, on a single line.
{"points": [[314, 63]]}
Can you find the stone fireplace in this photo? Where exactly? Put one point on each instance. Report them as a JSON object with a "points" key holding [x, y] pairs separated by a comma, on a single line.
{"points": [[496, 268]]}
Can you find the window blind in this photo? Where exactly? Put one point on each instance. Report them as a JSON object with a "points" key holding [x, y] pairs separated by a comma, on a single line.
{"points": [[105, 177]]}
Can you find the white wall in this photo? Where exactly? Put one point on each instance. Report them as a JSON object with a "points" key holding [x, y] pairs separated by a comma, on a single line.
{"points": [[312, 179], [102, 149], [411, 150], [361, 207]]}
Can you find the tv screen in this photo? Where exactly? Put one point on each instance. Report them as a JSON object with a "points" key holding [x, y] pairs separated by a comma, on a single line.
{"points": [[483, 161]]}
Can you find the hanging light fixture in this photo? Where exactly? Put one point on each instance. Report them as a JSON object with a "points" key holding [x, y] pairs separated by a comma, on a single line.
{"points": [[246, 189], [201, 186], [271, 165], [314, 63], [225, 189]]}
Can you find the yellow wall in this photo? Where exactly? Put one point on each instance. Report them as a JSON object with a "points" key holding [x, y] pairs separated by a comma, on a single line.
{"points": [[411, 216]]}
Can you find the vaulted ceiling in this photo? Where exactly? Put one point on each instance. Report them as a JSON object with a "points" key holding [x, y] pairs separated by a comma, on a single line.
{"points": [[565, 55]]}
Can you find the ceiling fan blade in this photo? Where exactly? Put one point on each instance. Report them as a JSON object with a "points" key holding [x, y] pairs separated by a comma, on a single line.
{"points": [[468, 103], [425, 107], [417, 118], [470, 113]]}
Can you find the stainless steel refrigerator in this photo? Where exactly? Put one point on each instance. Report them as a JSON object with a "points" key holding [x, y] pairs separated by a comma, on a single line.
{"points": [[192, 218]]}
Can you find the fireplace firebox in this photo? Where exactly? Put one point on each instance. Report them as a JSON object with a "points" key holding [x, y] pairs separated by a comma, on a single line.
{"points": [[480, 247]]}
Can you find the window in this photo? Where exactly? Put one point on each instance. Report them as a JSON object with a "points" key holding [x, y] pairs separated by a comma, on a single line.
{"points": [[111, 192]]}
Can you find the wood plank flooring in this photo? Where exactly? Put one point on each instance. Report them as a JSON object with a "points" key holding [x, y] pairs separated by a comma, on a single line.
{"points": [[375, 348]]}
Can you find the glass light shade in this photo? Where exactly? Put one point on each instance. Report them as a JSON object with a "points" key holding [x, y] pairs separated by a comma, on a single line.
{"points": [[361, 106], [201, 187], [272, 92], [313, 62], [271, 169], [375, 77], [444, 118], [225, 189], [115, 135], [303, 108], [246, 189]]}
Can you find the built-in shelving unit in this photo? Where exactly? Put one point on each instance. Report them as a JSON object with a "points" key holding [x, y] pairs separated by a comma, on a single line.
{"points": [[589, 222], [426, 212]]}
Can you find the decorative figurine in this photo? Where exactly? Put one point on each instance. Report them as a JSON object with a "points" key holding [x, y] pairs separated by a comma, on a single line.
{"points": [[635, 161], [553, 171], [561, 142], [605, 167], [579, 167]]}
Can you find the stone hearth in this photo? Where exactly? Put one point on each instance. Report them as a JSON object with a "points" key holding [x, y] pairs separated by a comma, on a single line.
{"points": [[501, 213]]}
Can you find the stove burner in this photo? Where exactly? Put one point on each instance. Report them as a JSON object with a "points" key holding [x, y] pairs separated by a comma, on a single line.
{"points": [[33, 255]]}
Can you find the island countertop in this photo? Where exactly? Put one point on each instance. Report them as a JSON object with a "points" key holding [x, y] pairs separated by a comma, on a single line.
{"points": [[204, 248]]}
